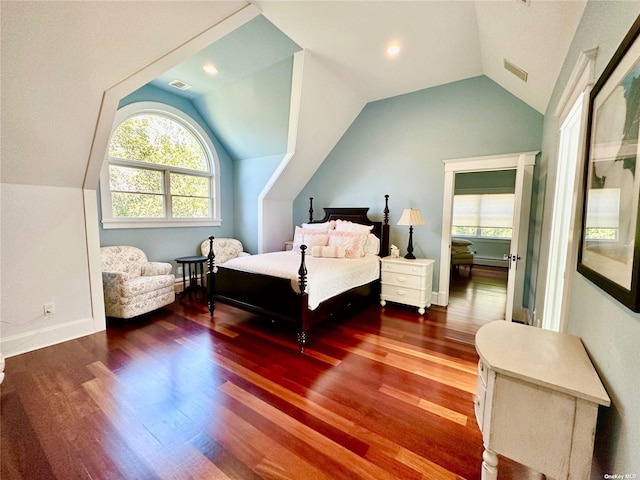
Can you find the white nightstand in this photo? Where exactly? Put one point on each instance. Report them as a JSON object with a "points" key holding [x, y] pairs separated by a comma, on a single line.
{"points": [[407, 281], [537, 400]]}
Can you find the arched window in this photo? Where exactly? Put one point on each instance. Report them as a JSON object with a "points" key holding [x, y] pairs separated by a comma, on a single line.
{"points": [[160, 170]]}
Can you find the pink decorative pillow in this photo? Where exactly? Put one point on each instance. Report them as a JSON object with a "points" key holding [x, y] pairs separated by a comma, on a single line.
{"points": [[328, 252], [347, 226], [304, 236], [352, 242]]}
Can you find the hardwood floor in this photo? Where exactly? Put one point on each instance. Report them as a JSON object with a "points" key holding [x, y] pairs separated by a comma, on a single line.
{"points": [[383, 394], [477, 298]]}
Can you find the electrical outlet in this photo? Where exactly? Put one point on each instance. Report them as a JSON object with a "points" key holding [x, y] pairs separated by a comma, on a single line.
{"points": [[49, 309], [180, 270]]}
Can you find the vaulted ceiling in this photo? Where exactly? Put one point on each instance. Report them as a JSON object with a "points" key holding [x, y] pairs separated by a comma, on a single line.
{"points": [[440, 42]]}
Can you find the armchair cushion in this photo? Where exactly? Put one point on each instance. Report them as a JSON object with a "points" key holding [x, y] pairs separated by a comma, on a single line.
{"points": [[224, 249], [132, 285]]}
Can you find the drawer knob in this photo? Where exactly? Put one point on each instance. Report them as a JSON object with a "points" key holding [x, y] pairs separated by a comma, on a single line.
{"points": [[402, 279], [400, 292]]}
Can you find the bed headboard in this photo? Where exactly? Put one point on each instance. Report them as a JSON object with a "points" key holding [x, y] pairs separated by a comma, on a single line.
{"points": [[358, 215]]}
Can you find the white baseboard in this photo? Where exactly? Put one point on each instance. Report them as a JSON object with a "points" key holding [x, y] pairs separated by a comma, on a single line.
{"points": [[46, 336], [490, 262], [439, 298]]}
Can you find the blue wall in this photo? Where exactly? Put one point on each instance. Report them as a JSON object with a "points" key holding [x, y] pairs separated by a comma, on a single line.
{"points": [[166, 244], [396, 147]]}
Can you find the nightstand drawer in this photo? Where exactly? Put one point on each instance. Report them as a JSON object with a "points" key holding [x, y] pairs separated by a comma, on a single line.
{"points": [[415, 269], [404, 295], [403, 280]]}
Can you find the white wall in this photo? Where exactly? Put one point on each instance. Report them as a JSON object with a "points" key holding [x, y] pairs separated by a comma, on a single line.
{"points": [[44, 260]]}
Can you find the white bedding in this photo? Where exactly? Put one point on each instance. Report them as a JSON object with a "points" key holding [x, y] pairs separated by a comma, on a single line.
{"points": [[326, 277]]}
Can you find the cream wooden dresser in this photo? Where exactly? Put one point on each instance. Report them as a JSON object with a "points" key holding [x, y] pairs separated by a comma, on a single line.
{"points": [[537, 400], [407, 281]]}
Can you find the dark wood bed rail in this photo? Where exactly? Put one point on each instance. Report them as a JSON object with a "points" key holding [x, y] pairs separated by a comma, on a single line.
{"points": [[295, 306]]}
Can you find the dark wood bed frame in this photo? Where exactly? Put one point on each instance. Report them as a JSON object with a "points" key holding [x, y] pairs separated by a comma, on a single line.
{"points": [[274, 297]]}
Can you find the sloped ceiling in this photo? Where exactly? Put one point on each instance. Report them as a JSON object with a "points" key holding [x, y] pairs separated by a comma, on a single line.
{"points": [[441, 42]]}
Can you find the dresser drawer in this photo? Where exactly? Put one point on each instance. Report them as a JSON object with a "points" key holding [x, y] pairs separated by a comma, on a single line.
{"points": [[482, 372], [403, 280], [479, 401], [404, 268]]}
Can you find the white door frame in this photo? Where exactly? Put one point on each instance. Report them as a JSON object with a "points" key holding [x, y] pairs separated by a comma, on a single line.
{"points": [[514, 161], [572, 113]]}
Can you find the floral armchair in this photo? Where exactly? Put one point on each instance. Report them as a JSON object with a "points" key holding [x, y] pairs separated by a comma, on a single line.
{"points": [[133, 285], [224, 249]]}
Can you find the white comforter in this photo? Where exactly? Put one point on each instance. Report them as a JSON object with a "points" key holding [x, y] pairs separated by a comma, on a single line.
{"points": [[326, 277]]}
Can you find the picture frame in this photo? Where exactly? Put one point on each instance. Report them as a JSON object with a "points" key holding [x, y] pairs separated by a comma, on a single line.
{"points": [[609, 253]]}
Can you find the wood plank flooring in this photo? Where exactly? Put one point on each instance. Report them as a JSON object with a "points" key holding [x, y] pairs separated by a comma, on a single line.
{"points": [[383, 394]]}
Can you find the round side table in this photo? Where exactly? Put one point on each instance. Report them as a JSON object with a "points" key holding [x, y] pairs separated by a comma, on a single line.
{"points": [[192, 269]]}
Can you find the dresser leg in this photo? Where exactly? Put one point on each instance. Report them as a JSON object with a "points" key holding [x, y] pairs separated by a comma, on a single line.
{"points": [[489, 465]]}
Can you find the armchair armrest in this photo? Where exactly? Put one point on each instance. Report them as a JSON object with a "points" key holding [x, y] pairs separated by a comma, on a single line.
{"points": [[151, 269], [113, 281]]}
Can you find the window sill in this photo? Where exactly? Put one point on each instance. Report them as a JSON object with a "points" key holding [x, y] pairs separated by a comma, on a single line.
{"points": [[135, 223]]}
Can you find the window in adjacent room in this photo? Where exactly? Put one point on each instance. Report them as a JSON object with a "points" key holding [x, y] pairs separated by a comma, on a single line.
{"points": [[483, 215], [159, 171]]}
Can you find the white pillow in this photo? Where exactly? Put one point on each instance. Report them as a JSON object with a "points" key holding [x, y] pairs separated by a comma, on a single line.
{"points": [[372, 245], [313, 240], [347, 226], [330, 225], [352, 242], [328, 252], [301, 234]]}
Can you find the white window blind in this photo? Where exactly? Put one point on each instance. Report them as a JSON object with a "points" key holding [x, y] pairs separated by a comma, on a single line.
{"points": [[603, 208], [483, 211]]}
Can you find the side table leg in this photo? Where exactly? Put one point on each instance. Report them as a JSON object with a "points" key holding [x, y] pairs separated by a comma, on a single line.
{"points": [[489, 465]]}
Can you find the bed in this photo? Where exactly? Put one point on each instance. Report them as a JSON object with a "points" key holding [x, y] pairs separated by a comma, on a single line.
{"points": [[290, 285]]}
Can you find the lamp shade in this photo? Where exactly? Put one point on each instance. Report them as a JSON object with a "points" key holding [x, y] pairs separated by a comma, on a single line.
{"points": [[411, 217]]}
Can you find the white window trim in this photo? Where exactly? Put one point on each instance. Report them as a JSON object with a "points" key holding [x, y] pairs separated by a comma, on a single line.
{"points": [[108, 222]]}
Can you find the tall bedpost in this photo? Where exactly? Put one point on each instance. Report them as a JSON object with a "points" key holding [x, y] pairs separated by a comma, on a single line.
{"points": [[310, 209], [384, 244], [302, 281], [211, 276]]}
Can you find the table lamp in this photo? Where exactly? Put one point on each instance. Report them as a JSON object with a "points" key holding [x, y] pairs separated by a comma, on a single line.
{"points": [[411, 217]]}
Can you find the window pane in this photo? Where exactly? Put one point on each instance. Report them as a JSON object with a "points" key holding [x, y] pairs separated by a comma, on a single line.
{"points": [[136, 205], [495, 232], [125, 179], [464, 231], [188, 185], [157, 139], [601, 234], [190, 207]]}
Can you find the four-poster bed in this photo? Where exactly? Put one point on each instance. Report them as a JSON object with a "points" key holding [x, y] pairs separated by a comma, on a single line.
{"points": [[277, 297]]}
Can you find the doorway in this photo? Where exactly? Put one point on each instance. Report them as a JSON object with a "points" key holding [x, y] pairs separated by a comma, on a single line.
{"points": [[523, 164]]}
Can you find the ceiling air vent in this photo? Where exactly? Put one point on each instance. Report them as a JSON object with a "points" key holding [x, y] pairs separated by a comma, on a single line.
{"points": [[180, 85], [518, 72]]}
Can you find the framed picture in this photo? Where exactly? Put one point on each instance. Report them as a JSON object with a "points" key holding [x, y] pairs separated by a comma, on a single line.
{"points": [[609, 254]]}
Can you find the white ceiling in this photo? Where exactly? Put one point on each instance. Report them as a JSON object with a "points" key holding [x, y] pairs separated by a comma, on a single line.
{"points": [[442, 41]]}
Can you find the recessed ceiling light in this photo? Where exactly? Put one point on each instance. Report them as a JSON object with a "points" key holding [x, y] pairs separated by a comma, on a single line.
{"points": [[210, 69], [393, 49]]}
